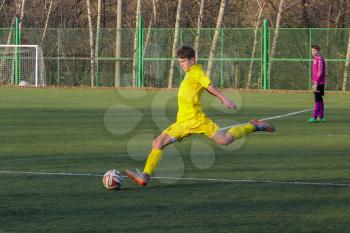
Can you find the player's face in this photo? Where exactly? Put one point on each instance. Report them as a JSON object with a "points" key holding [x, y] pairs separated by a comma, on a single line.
{"points": [[314, 52], [186, 63]]}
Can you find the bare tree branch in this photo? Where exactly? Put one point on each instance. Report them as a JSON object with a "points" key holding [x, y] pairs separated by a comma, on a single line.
{"points": [[199, 26], [91, 39], [256, 26], [46, 23], [176, 35], [134, 63], [118, 43], [216, 36], [346, 66]]}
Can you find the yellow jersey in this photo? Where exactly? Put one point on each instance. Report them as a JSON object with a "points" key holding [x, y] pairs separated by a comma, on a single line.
{"points": [[190, 91]]}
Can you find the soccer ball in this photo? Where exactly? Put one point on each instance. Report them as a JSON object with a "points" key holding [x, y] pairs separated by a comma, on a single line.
{"points": [[112, 179]]}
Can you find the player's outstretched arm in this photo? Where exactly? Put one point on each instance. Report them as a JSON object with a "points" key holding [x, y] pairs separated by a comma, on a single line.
{"points": [[224, 99]]}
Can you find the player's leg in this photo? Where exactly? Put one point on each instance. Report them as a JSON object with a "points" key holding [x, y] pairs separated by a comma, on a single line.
{"points": [[241, 131], [321, 112], [156, 153], [235, 132], [222, 138], [153, 159], [209, 128], [320, 88], [173, 133], [317, 107]]}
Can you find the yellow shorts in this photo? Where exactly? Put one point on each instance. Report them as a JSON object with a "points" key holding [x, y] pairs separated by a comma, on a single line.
{"points": [[183, 129]]}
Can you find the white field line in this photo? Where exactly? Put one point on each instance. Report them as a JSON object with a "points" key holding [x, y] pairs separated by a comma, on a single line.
{"points": [[49, 173], [271, 118], [187, 179]]}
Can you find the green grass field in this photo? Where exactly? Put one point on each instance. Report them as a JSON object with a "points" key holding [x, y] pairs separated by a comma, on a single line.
{"points": [[51, 131]]}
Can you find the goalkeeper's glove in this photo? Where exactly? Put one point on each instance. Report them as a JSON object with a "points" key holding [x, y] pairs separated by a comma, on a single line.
{"points": [[314, 87]]}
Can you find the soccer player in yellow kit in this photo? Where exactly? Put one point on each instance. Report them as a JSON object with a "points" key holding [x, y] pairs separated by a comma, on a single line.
{"points": [[190, 117]]}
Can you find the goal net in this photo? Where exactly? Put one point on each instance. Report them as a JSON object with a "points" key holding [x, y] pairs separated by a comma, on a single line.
{"points": [[22, 65]]}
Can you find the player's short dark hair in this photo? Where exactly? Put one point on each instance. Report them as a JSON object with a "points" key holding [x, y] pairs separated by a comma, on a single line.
{"points": [[315, 46], [186, 51]]}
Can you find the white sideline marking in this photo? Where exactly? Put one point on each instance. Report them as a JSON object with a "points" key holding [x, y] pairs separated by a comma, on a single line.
{"points": [[270, 118], [257, 181], [49, 173], [186, 178]]}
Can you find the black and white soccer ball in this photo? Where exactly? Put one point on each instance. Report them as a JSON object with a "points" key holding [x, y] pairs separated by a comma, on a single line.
{"points": [[112, 179]]}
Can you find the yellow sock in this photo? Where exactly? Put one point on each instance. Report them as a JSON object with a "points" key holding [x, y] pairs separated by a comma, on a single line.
{"points": [[152, 161], [242, 130]]}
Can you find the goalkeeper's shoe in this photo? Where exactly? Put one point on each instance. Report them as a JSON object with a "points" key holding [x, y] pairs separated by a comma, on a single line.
{"points": [[140, 178], [322, 120], [312, 120], [262, 126]]}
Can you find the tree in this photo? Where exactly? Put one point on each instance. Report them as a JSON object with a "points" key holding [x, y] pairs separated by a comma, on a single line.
{"points": [[19, 10], [134, 62], [176, 35], [199, 26], [91, 44], [118, 43], [340, 13], [2, 4], [46, 23], [305, 14], [98, 25], [346, 67], [329, 23], [22, 13], [277, 27], [151, 22], [256, 29], [216, 37]]}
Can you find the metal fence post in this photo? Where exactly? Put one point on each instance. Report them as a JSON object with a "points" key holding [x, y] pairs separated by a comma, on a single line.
{"points": [[222, 62], [310, 56], [17, 62], [58, 78], [266, 56], [140, 82]]}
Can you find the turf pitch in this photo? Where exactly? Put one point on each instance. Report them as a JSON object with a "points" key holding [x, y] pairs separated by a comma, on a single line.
{"points": [[70, 131]]}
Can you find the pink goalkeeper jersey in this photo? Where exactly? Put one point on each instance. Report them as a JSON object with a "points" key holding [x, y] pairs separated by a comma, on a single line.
{"points": [[318, 65]]}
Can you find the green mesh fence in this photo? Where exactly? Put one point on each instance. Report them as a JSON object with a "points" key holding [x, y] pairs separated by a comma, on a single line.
{"points": [[291, 64], [67, 56]]}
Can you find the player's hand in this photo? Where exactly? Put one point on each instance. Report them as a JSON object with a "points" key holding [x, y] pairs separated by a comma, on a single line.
{"points": [[228, 103], [314, 87]]}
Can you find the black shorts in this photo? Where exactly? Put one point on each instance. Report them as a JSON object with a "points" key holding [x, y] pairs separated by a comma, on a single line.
{"points": [[320, 89], [319, 93]]}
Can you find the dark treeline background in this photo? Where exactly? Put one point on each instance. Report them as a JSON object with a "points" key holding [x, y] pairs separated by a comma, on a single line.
{"points": [[83, 45], [238, 13]]}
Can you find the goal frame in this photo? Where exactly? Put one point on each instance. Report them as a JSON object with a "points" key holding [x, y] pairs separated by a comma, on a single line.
{"points": [[36, 47]]}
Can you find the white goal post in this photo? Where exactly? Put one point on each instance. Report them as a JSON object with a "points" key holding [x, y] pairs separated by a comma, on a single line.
{"points": [[22, 65]]}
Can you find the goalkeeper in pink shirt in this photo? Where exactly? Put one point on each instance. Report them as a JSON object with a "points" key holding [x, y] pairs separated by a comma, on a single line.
{"points": [[318, 82]]}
